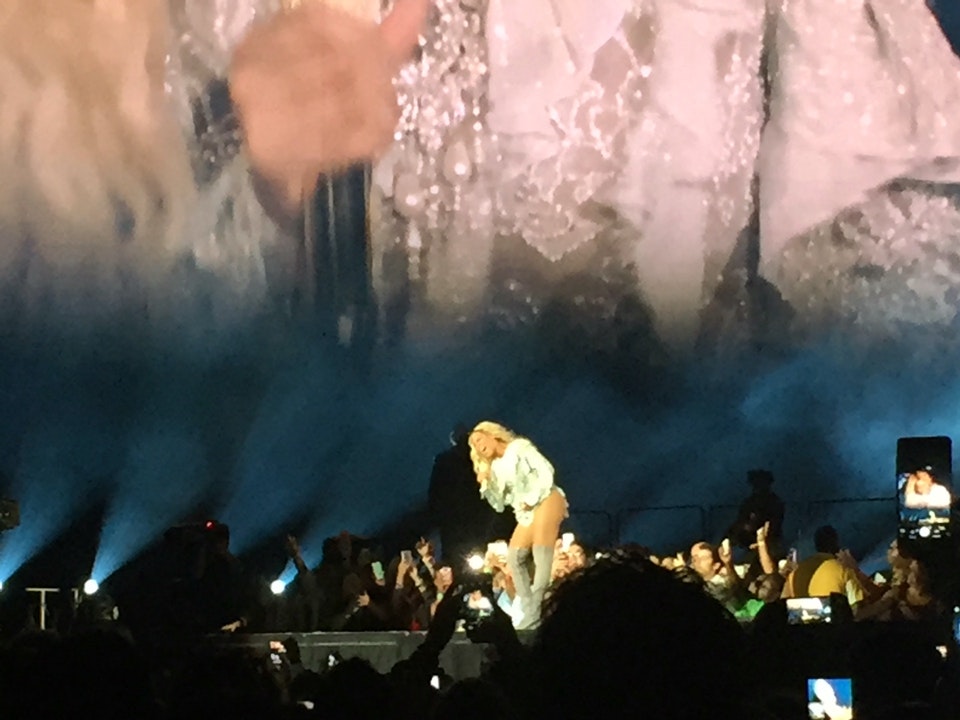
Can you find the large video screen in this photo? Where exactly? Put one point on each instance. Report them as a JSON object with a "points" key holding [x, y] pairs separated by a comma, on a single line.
{"points": [[666, 247]]}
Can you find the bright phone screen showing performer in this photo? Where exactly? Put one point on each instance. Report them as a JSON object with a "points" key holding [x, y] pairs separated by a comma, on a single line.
{"points": [[924, 487], [809, 610], [829, 698], [476, 606]]}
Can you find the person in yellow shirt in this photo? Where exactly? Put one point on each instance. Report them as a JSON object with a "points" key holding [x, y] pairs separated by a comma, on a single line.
{"points": [[822, 574]]}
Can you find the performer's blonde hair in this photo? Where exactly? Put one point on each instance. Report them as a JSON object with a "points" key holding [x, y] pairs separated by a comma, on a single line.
{"points": [[481, 465], [92, 163]]}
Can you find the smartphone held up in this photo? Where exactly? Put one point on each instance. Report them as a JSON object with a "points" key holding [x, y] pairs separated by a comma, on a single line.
{"points": [[924, 488], [829, 698]]}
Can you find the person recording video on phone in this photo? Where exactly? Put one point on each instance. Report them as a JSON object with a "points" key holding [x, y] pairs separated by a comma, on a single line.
{"points": [[512, 472], [921, 490]]}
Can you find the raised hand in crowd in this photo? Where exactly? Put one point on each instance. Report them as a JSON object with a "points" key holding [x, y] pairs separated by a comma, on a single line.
{"points": [[495, 560], [789, 565], [725, 553], [293, 546], [845, 558], [406, 569], [441, 582], [767, 563], [444, 579], [871, 589], [293, 550], [403, 569], [418, 582], [762, 533]]}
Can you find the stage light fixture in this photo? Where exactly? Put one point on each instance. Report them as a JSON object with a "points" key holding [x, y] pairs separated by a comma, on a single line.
{"points": [[475, 562], [1, 585], [90, 587], [277, 587], [9, 514]]}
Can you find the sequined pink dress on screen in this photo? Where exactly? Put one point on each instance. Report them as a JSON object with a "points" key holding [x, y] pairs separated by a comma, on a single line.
{"points": [[859, 225], [640, 135], [609, 138], [589, 151]]}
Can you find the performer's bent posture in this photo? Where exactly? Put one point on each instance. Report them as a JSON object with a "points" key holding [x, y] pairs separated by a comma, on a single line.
{"points": [[511, 471]]}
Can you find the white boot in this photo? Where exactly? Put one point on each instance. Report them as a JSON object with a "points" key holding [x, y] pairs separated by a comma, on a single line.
{"points": [[517, 562], [543, 568]]}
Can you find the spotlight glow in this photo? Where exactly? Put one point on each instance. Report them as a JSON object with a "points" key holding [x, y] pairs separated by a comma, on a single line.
{"points": [[277, 587], [163, 476], [289, 573], [90, 587], [47, 495], [282, 442], [475, 562]]}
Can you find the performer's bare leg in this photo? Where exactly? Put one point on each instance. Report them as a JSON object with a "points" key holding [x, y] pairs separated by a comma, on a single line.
{"points": [[542, 533]]}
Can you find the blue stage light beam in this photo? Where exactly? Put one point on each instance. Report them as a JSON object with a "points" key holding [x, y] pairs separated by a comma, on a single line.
{"points": [[47, 504], [53, 486], [164, 476], [388, 435], [286, 454], [289, 573]]}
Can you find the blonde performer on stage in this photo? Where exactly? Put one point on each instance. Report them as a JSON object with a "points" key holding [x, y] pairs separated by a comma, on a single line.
{"points": [[512, 472]]}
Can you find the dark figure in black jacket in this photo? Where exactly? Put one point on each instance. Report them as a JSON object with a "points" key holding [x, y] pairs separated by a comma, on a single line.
{"points": [[466, 521]]}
